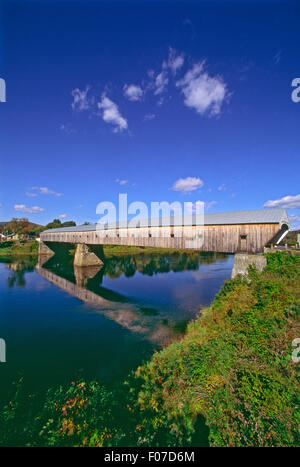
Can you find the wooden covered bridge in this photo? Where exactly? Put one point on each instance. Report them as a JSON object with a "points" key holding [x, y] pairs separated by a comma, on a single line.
{"points": [[227, 232]]}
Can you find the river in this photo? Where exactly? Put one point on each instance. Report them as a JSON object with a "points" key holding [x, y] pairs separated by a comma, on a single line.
{"points": [[61, 323]]}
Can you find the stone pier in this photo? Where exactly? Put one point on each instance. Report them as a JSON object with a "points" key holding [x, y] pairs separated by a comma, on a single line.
{"points": [[44, 250], [88, 255], [243, 260]]}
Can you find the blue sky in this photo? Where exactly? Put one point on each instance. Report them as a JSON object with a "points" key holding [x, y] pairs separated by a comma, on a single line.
{"points": [[163, 102]]}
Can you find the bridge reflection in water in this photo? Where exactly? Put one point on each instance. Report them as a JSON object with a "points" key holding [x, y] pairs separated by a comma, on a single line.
{"points": [[158, 326]]}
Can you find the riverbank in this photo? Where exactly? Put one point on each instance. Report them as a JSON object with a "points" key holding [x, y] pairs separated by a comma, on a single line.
{"points": [[31, 248], [19, 248], [234, 366], [230, 381]]}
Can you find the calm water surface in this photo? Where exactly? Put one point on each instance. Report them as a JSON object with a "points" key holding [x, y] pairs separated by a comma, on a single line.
{"points": [[60, 323]]}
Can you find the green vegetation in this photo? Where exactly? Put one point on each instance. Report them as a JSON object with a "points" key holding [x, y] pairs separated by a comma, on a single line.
{"points": [[19, 248], [22, 227], [78, 415], [56, 224], [233, 370], [30, 247], [291, 240], [234, 365], [26, 232], [122, 250]]}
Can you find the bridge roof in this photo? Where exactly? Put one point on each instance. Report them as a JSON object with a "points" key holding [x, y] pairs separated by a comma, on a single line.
{"points": [[257, 216]]}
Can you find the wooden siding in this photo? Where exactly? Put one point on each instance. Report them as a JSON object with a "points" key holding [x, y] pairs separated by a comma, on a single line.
{"points": [[219, 238]]}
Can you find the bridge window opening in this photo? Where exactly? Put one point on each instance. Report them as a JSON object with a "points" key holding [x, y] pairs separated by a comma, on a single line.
{"points": [[150, 235], [243, 242], [172, 235]]}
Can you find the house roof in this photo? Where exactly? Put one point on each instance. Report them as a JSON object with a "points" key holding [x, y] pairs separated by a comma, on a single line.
{"points": [[256, 216]]}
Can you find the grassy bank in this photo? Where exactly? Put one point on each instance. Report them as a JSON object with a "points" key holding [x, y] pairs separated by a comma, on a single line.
{"points": [[230, 379], [19, 248], [31, 248], [234, 365], [123, 250]]}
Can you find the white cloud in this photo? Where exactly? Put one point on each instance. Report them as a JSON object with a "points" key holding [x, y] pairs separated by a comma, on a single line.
{"points": [[121, 182], [222, 187], [161, 82], [23, 208], [288, 202], [80, 99], [202, 92], [62, 216], [173, 64], [187, 184], [133, 92], [175, 61], [111, 114], [295, 221], [43, 190]]}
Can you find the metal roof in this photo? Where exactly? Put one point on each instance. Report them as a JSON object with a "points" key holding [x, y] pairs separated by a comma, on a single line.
{"points": [[256, 216]]}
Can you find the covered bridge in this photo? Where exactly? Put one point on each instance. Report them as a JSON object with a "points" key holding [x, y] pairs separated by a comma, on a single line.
{"points": [[228, 232]]}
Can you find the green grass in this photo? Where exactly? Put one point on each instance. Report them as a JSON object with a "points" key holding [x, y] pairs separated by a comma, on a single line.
{"points": [[31, 247], [19, 248], [123, 250]]}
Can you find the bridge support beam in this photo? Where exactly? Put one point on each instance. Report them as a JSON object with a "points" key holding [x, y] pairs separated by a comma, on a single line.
{"points": [[87, 255]]}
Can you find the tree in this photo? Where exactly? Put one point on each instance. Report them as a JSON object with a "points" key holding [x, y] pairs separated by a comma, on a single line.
{"points": [[56, 224], [69, 224]]}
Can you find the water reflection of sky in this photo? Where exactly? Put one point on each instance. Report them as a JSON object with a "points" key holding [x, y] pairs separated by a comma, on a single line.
{"points": [[186, 290], [99, 325]]}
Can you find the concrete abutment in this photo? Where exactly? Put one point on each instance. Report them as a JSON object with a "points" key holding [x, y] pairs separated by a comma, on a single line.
{"points": [[243, 260]]}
